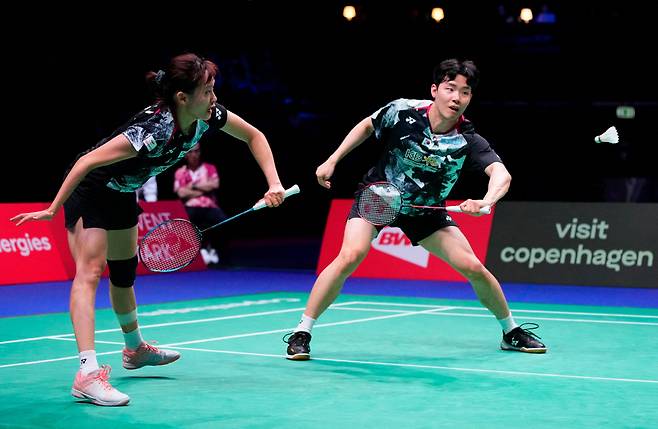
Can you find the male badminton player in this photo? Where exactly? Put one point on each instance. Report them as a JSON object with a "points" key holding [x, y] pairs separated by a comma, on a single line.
{"points": [[98, 195], [425, 146]]}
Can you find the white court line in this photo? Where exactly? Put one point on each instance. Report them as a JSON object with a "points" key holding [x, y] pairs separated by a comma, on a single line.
{"points": [[227, 306], [213, 319], [95, 341], [34, 362], [574, 313], [612, 322], [229, 337], [319, 325], [446, 368], [159, 325], [432, 310]]}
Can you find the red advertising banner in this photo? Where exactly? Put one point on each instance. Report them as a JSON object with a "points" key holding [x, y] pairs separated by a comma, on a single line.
{"points": [[393, 256], [32, 252], [38, 251]]}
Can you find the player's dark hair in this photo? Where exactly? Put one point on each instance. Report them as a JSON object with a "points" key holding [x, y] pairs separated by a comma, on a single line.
{"points": [[184, 73], [449, 69]]}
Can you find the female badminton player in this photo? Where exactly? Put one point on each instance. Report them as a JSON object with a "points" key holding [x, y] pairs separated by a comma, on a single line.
{"points": [[426, 144], [100, 207]]}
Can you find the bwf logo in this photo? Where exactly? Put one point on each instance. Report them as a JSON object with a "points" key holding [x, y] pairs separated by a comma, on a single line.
{"points": [[393, 242]]}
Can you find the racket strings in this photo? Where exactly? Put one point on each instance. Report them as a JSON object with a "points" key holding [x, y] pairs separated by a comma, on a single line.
{"points": [[379, 204], [171, 246]]}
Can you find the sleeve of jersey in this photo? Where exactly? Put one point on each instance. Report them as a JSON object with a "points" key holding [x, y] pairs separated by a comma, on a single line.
{"points": [[384, 118], [218, 118], [139, 138], [481, 155]]}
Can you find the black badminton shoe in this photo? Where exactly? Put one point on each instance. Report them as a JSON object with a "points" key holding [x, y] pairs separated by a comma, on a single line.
{"points": [[298, 345], [521, 339]]}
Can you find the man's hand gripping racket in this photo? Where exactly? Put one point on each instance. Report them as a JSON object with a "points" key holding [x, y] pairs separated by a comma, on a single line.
{"points": [[380, 204], [174, 244]]}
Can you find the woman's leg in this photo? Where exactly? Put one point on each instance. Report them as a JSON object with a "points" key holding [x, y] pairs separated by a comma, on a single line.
{"points": [[88, 248], [122, 261]]}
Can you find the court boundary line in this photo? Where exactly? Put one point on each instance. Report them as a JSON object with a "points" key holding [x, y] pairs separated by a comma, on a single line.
{"points": [[440, 367], [480, 308], [380, 303], [229, 337], [558, 319], [433, 310]]}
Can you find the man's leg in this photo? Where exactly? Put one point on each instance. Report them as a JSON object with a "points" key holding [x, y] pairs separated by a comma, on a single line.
{"points": [[450, 245], [356, 243]]}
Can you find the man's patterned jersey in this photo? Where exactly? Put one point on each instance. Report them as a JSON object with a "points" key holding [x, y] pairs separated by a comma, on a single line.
{"points": [[159, 144], [424, 165]]}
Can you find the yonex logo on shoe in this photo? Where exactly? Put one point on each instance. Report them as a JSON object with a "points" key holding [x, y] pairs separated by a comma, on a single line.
{"points": [[515, 342]]}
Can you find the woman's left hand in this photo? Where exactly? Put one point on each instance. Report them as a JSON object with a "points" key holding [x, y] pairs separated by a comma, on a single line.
{"points": [[20, 219]]}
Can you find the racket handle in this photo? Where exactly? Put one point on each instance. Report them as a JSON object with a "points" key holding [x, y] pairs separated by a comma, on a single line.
{"points": [[457, 209], [290, 191]]}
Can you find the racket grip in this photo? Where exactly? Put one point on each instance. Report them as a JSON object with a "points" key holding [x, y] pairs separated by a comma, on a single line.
{"points": [[457, 209], [290, 191]]}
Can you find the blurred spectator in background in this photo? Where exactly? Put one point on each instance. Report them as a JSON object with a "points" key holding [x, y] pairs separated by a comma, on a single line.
{"points": [[196, 184]]}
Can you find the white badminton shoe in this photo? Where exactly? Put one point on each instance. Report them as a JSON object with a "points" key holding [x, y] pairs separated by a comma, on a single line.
{"points": [[96, 388]]}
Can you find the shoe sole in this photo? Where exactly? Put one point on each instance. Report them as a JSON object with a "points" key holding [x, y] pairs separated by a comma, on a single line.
{"points": [[81, 395], [131, 367], [299, 356], [509, 348]]}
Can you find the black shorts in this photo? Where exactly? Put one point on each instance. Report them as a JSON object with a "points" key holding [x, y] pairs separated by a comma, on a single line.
{"points": [[101, 207], [416, 228]]}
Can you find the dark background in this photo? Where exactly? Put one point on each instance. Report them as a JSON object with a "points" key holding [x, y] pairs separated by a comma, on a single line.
{"points": [[304, 76]]}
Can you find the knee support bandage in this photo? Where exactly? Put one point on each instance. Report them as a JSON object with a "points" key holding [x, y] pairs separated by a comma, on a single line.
{"points": [[123, 272]]}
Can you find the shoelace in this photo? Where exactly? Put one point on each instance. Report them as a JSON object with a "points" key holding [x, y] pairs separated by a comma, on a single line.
{"points": [[286, 337], [290, 336], [529, 329], [151, 348], [103, 376]]}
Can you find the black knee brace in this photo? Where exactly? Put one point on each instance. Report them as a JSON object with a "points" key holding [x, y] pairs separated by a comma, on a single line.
{"points": [[123, 272]]}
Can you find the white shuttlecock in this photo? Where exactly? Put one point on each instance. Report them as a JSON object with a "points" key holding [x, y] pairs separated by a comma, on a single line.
{"points": [[610, 136]]}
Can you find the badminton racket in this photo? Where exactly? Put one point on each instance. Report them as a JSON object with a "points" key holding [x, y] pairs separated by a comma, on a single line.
{"points": [[380, 203], [173, 244]]}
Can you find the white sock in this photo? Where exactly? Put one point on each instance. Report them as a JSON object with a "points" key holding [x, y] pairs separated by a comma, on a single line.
{"points": [[306, 324], [507, 323], [133, 339], [88, 362]]}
